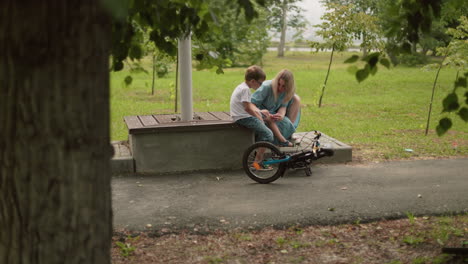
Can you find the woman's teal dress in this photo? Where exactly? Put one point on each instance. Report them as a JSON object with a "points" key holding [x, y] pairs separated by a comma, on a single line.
{"points": [[263, 98]]}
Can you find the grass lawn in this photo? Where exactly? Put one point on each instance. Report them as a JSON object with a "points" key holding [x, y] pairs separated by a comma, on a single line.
{"points": [[379, 118]]}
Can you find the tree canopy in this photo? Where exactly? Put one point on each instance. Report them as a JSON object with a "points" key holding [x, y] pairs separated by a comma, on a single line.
{"points": [[166, 21]]}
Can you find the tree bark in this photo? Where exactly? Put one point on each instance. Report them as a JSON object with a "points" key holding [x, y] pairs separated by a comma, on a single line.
{"points": [[365, 49], [55, 197], [326, 77], [282, 43]]}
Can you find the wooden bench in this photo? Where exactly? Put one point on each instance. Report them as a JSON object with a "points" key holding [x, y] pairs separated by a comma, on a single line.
{"points": [[163, 143]]}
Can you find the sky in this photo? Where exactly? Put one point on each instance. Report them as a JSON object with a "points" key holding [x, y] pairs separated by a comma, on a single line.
{"points": [[314, 10]]}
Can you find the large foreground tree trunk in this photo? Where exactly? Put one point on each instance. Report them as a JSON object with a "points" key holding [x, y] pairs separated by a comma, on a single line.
{"points": [[55, 198]]}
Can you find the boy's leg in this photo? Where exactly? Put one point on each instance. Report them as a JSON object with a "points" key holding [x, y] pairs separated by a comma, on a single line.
{"points": [[262, 132]]}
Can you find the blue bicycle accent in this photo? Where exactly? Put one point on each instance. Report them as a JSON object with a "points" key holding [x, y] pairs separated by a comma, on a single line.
{"points": [[271, 161]]}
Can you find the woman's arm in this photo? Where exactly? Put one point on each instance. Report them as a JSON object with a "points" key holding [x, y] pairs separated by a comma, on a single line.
{"points": [[260, 96], [280, 114]]}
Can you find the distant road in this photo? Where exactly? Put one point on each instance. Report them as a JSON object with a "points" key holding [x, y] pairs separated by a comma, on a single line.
{"points": [[305, 49]]}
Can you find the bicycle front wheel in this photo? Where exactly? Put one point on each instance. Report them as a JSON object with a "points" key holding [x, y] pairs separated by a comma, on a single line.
{"points": [[261, 162]]}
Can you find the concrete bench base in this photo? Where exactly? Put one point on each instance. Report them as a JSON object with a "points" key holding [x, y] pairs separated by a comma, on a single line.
{"points": [[211, 149]]}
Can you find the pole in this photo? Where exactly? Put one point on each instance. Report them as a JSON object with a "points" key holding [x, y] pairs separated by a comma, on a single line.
{"points": [[185, 67]]}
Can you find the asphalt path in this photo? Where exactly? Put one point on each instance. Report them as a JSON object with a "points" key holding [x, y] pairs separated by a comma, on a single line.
{"points": [[334, 194]]}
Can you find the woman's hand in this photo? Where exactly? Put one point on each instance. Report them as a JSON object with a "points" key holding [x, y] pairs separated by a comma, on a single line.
{"points": [[277, 117]]}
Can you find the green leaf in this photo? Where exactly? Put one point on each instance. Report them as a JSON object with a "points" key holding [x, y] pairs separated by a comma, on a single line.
{"points": [[372, 59], [466, 98], [118, 66], [362, 74], [444, 125], [463, 113], [385, 62], [461, 82], [199, 56], [352, 69], [450, 103], [120, 244], [373, 70], [352, 59], [135, 52], [128, 80]]}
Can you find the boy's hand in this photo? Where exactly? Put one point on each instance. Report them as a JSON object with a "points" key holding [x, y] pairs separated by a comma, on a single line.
{"points": [[265, 115]]}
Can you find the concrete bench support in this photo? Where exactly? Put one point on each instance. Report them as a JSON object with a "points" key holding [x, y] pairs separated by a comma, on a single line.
{"points": [[161, 144]]}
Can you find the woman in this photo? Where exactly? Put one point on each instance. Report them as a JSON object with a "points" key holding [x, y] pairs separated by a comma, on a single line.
{"points": [[278, 97]]}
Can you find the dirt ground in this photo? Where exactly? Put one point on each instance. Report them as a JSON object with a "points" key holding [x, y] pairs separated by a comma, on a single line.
{"points": [[409, 240]]}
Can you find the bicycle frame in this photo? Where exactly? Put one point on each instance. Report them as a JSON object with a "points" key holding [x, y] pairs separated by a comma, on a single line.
{"points": [[303, 156]]}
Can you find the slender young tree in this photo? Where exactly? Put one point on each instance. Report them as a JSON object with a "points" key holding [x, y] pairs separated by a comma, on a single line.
{"points": [[334, 31]]}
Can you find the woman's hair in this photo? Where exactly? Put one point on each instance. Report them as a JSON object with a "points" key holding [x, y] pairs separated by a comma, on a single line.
{"points": [[288, 78], [254, 72]]}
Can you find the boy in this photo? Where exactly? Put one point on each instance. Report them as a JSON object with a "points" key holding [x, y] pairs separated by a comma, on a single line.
{"points": [[245, 113]]}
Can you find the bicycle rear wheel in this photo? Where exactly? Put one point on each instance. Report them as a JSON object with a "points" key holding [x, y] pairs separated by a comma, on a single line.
{"points": [[259, 162]]}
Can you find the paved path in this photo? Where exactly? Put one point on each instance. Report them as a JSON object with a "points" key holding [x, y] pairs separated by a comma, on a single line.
{"points": [[333, 194]]}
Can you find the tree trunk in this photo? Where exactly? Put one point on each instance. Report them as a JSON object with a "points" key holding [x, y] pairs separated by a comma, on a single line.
{"points": [[326, 77], [282, 43], [432, 97], [55, 197], [154, 74], [365, 49]]}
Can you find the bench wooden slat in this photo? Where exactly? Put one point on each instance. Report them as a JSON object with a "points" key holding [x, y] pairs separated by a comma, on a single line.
{"points": [[148, 120], [206, 116], [133, 122], [197, 123], [185, 126], [222, 115], [170, 122], [165, 118]]}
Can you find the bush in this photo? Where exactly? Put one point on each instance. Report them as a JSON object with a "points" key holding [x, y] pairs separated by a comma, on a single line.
{"points": [[414, 59]]}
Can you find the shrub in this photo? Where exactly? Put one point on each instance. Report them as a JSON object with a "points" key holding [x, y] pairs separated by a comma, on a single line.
{"points": [[414, 59]]}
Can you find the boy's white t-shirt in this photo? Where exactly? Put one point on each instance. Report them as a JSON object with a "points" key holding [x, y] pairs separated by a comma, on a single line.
{"points": [[240, 95]]}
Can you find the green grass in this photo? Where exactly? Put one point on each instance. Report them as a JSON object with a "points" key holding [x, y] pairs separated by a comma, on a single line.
{"points": [[380, 118]]}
